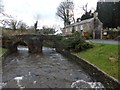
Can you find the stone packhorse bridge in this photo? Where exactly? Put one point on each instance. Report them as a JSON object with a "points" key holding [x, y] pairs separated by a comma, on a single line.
{"points": [[34, 42]]}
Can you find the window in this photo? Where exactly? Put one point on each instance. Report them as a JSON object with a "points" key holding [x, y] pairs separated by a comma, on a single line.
{"points": [[81, 27]]}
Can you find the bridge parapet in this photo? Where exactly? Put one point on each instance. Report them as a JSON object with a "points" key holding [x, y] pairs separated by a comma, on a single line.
{"points": [[34, 42]]}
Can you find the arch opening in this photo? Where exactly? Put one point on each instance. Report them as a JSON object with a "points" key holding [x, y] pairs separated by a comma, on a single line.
{"points": [[20, 46], [48, 44]]}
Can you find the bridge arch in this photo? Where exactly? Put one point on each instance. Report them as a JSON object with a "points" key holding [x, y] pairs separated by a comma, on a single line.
{"points": [[17, 43], [34, 42]]}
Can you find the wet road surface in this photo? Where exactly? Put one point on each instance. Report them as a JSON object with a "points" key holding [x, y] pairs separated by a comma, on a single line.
{"points": [[47, 70], [104, 41]]}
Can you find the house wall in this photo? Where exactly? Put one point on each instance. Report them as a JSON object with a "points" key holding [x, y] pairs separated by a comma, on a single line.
{"points": [[67, 30], [98, 29], [77, 28], [88, 28]]}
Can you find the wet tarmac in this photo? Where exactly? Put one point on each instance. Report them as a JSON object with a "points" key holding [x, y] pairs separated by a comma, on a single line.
{"points": [[47, 70]]}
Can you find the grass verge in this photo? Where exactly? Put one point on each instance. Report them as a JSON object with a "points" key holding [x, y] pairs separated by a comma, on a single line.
{"points": [[104, 56], [2, 51]]}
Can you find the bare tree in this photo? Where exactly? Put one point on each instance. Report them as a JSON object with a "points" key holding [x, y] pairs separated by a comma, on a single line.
{"points": [[17, 25], [65, 11], [37, 17], [6, 20], [9, 23], [47, 30], [85, 7], [21, 25], [13, 24], [35, 25], [87, 14]]}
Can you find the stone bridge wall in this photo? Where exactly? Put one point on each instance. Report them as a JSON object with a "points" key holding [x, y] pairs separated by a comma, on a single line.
{"points": [[34, 42]]}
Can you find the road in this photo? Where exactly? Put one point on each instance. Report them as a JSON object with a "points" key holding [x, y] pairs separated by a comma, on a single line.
{"points": [[103, 41]]}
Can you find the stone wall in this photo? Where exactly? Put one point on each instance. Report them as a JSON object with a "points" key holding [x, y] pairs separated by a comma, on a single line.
{"points": [[34, 42]]}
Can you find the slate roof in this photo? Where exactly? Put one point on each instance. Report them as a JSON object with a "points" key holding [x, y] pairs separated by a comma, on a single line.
{"points": [[82, 22]]}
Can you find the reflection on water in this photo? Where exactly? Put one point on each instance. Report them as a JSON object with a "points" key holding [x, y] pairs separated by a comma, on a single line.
{"points": [[22, 48], [47, 70]]}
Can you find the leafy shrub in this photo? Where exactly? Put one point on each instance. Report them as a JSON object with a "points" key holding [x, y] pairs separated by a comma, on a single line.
{"points": [[113, 34], [75, 42]]}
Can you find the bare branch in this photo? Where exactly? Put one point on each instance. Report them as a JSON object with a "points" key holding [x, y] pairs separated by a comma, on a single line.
{"points": [[65, 11]]}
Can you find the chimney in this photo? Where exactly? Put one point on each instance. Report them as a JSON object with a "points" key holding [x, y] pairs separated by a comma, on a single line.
{"points": [[95, 15]]}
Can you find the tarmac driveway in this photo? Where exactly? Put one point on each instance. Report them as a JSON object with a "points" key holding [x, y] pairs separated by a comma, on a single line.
{"points": [[103, 41]]}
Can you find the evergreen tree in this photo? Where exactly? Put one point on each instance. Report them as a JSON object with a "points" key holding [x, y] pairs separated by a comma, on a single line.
{"points": [[109, 14]]}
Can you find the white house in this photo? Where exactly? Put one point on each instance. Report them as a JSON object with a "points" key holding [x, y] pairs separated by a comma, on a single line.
{"points": [[89, 28]]}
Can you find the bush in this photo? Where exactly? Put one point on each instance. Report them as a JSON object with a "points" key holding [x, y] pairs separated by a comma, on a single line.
{"points": [[113, 34], [75, 42]]}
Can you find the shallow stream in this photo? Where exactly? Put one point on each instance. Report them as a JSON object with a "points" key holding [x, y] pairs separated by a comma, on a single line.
{"points": [[47, 70]]}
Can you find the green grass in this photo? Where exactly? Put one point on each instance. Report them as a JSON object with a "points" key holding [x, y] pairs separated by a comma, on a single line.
{"points": [[104, 56], [2, 51]]}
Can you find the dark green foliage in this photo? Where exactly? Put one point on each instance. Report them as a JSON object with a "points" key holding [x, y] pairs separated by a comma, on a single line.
{"points": [[113, 34], [109, 14], [48, 44], [75, 43]]}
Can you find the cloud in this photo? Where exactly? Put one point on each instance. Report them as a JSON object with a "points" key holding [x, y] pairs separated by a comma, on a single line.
{"points": [[26, 10]]}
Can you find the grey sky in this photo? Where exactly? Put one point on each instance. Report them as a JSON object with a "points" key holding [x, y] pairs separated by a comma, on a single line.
{"points": [[27, 10]]}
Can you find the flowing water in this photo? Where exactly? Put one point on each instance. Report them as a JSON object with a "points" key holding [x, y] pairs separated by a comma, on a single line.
{"points": [[47, 70]]}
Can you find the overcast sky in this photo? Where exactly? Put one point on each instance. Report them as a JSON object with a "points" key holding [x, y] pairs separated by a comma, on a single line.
{"points": [[27, 10]]}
